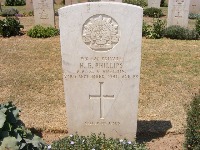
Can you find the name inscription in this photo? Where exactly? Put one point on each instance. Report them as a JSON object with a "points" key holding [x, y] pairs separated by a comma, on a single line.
{"points": [[100, 68]]}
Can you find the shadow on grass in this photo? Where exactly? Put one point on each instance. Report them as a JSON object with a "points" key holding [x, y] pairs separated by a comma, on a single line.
{"points": [[148, 130], [37, 132]]}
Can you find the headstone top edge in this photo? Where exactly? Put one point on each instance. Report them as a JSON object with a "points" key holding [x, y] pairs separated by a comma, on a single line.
{"points": [[99, 3]]}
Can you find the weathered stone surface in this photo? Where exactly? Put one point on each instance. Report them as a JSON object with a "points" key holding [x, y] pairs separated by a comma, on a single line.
{"points": [[120, 1], [29, 5], [2, 2], [178, 11], [44, 12], [101, 56], [195, 6], [154, 3]]}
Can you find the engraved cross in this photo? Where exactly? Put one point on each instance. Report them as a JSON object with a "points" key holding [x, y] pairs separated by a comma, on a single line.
{"points": [[178, 15], [101, 97], [43, 15]]}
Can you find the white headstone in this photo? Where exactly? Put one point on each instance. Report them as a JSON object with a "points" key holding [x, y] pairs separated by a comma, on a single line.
{"points": [[3, 2], [178, 11], [154, 3], [120, 1], [195, 6], [44, 12], [101, 56]]}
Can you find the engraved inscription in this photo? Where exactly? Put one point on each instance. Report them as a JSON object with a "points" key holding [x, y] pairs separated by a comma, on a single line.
{"points": [[100, 68], [100, 33], [43, 15], [43, 4], [88, 123], [179, 2], [101, 97], [194, 7], [178, 16], [43, 7]]}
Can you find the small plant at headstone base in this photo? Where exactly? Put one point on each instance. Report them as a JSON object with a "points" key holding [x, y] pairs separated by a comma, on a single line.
{"points": [[15, 2], [192, 134], [181, 33], [30, 13], [197, 25], [95, 142], [156, 31], [193, 16], [20, 2], [9, 12], [39, 31], [153, 12], [146, 29], [14, 135], [10, 27], [141, 3]]}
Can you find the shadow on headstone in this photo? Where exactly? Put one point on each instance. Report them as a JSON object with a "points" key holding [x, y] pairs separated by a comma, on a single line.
{"points": [[153, 129]]}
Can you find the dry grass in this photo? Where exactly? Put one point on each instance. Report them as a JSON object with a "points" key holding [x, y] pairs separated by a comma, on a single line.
{"points": [[169, 78], [31, 76]]}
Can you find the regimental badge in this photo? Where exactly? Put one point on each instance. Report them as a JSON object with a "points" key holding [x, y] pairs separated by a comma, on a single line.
{"points": [[100, 33]]}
